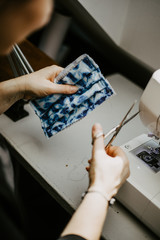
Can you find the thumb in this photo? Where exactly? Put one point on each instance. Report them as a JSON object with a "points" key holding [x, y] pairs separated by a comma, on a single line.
{"points": [[64, 88], [97, 137]]}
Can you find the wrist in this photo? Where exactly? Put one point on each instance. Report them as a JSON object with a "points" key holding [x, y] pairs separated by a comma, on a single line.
{"points": [[20, 87], [12, 90], [105, 190], [109, 200], [95, 198]]}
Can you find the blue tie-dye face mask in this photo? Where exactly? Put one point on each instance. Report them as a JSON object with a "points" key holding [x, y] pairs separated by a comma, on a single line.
{"points": [[58, 111]]}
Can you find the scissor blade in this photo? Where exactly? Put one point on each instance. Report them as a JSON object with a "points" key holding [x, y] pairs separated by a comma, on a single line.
{"points": [[113, 130], [123, 120], [120, 126], [129, 119]]}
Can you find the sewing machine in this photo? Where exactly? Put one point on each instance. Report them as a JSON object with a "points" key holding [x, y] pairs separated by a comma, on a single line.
{"points": [[141, 193]]}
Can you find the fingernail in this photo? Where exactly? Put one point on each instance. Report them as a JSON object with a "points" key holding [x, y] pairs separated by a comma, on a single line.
{"points": [[74, 89]]}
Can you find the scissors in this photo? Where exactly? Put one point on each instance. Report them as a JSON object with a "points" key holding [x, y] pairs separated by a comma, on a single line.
{"points": [[117, 129]]}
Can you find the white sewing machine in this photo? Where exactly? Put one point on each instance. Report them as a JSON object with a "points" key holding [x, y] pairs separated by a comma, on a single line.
{"points": [[141, 193]]}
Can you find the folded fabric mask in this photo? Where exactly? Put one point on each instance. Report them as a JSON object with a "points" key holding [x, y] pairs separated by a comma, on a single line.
{"points": [[59, 111]]}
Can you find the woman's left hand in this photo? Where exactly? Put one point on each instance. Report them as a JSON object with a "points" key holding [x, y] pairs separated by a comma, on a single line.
{"points": [[41, 83], [37, 84]]}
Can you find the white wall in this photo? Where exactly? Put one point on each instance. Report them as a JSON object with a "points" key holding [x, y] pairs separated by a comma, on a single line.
{"points": [[141, 33], [110, 14], [132, 24]]}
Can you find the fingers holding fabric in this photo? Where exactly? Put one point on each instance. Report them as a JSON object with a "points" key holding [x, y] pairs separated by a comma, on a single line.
{"points": [[64, 89], [41, 83]]}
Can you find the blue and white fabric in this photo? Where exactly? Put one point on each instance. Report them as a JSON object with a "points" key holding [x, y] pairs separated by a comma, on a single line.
{"points": [[59, 111]]}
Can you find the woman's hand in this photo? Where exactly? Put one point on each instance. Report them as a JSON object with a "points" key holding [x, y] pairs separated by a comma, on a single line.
{"points": [[37, 84], [41, 83], [107, 171]]}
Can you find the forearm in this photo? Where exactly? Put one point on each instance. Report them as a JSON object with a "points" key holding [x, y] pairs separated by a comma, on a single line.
{"points": [[89, 218], [10, 92]]}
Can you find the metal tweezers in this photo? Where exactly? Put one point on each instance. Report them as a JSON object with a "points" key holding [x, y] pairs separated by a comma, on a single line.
{"points": [[18, 62], [117, 129]]}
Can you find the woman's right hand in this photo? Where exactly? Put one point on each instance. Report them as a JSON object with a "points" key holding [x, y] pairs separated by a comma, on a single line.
{"points": [[107, 170]]}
